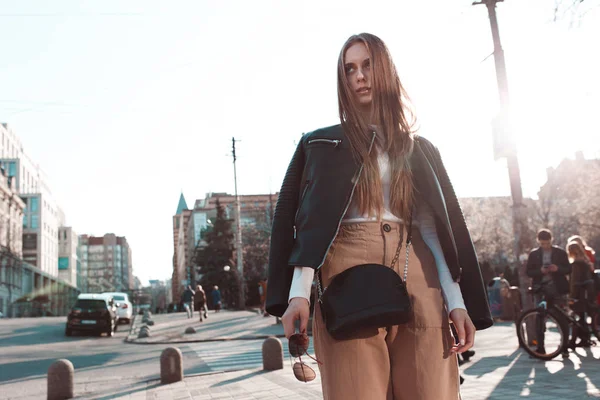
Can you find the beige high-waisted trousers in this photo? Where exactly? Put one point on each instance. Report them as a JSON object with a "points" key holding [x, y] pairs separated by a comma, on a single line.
{"points": [[405, 362]]}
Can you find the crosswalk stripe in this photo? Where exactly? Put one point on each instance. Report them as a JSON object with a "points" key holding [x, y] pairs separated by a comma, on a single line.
{"points": [[235, 355]]}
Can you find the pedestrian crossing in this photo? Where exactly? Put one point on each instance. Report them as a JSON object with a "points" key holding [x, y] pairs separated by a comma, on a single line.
{"points": [[239, 354]]}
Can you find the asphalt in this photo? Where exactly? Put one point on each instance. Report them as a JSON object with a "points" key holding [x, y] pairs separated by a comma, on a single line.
{"points": [[222, 326]]}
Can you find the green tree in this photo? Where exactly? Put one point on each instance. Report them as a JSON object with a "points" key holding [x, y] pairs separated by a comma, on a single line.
{"points": [[255, 247], [217, 254]]}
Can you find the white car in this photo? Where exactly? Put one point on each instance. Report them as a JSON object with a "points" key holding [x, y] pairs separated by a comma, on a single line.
{"points": [[125, 309]]}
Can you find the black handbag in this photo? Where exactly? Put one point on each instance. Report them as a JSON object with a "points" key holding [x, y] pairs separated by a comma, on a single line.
{"points": [[366, 296]]}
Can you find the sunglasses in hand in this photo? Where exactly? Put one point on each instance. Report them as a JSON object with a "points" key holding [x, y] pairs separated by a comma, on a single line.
{"points": [[298, 346]]}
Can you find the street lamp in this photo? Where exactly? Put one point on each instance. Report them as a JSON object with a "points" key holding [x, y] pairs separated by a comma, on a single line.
{"points": [[226, 268]]}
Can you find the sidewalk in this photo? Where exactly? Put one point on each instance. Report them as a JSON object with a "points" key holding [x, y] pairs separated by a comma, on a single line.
{"points": [[222, 326], [238, 385], [499, 369]]}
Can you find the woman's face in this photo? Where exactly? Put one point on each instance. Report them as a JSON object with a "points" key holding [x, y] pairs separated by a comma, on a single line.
{"points": [[357, 63]]}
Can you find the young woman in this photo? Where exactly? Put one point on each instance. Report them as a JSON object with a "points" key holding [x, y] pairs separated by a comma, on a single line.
{"points": [[591, 256], [350, 196], [582, 287], [589, 252]]}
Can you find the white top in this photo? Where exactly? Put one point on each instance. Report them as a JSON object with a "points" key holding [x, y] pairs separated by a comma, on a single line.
{"points": [[353, 214], [424, 221]]}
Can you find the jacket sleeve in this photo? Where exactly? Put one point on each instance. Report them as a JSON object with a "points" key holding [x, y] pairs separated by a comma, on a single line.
{"points": [[471, 281], [282, 236], [533, 270], [564, 266]]}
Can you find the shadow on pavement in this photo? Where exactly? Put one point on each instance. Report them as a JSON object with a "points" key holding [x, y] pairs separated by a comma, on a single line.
{"points": [[110, 394], [274, 329], [20, 371], [46, 334], [239, 378], [531, 377], [488, 365], [203, 329]]}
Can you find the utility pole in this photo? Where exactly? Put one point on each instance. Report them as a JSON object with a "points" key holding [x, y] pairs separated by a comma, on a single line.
{"points": [[238, 245], [504, 143]]}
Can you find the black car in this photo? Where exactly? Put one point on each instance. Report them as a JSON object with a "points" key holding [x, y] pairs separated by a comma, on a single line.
{"points": [[95, 313]]}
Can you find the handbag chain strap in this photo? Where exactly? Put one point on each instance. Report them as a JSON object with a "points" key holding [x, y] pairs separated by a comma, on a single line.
{"points": [[394, 260]]}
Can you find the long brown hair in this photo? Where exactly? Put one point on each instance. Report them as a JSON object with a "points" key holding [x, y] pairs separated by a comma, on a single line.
{"points": [[391, 114], [575, 251]]}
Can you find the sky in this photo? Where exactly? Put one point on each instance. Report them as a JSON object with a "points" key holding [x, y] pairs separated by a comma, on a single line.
{"points": [[127, 104]]}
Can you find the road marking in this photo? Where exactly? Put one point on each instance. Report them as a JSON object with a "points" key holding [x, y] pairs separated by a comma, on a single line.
{"points": [[239, 354]]}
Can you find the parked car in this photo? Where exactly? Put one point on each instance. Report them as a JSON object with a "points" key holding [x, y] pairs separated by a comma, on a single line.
{"points": [[93, 312], [125, 308]]}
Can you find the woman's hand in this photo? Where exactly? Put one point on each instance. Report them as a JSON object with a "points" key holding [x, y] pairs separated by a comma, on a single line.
{"points": [[298, 309], [465, 329]]}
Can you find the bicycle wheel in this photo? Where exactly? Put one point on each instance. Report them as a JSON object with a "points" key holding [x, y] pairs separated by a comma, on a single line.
{"points": [[541, 333]]}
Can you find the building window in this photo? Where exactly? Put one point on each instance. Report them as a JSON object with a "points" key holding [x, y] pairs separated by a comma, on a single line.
{"points": [[34, 221], [12, 169], [25, 221], [33, 204]]}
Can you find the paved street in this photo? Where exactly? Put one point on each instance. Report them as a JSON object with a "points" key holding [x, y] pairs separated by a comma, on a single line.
{"points": [[107, 368]]}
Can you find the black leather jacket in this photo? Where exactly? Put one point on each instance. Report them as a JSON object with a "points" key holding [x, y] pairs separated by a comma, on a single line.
{"points": [[316, 193], [559, 258]]}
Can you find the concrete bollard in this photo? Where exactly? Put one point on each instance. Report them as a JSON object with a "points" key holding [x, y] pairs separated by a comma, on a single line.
{"points": [[190, 329], [145, 319], [144, 332], [171, 365], [150, 323], [272, 354], [60, 380]]}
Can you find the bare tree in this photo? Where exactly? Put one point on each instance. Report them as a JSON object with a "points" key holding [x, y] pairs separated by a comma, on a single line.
{"points": [[568, 202], [573, 11]]}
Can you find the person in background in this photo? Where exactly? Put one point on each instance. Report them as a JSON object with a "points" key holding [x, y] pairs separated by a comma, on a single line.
{"points": [[591, 255], [188, 299], [589, 252], [549, 266], [200, 302], [216, 298], [262, 291], [582, 289]]}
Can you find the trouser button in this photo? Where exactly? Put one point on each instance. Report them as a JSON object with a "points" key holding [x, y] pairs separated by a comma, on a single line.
{"points": [[387, 227]]}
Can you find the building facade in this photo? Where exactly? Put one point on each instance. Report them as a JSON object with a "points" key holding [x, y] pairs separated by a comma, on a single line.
{"points": [[11, 234], [182, 264], [190, 225], [69, 267], [41, 223], [42, 216], [11, 215], [106, 263], [254, 208]]}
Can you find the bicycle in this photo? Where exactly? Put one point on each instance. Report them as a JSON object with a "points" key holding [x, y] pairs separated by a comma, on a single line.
{"points": [[544, 331]]}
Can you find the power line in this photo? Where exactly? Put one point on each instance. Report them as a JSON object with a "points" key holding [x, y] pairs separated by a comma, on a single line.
{"points": [[73, 15]]}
